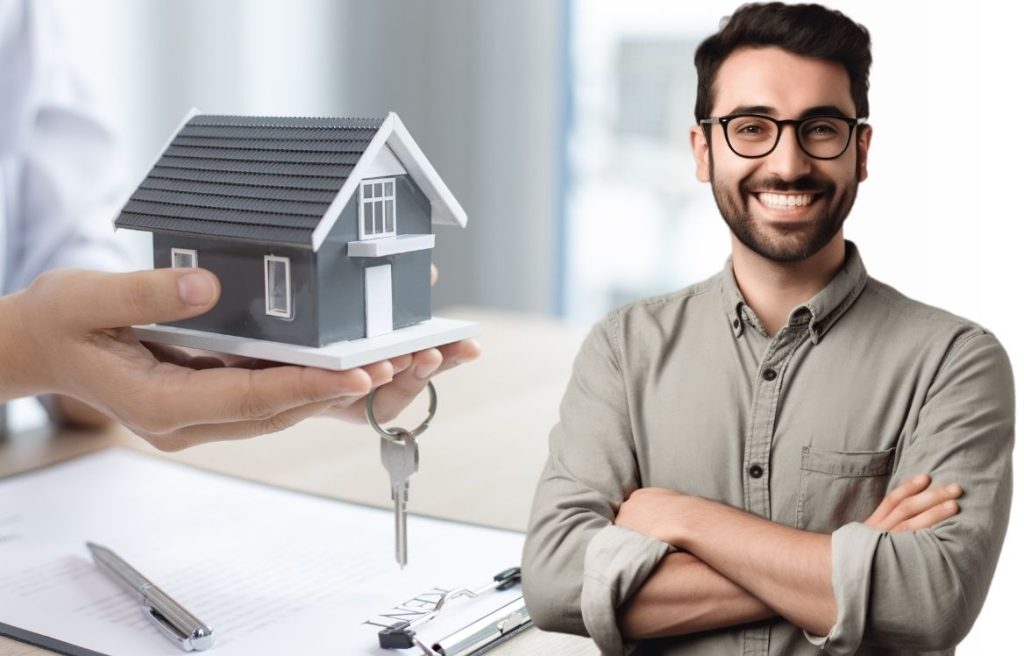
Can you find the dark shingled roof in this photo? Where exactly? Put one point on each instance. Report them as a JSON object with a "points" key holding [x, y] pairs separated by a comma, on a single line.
{"points": [[264, 179]]}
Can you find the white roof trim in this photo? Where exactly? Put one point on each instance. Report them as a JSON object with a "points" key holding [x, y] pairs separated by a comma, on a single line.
{"points": [[444, 209], [188, 117]]}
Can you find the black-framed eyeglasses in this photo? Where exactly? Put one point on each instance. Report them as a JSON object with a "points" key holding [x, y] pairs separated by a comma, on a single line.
{"points": [[754, 135]]}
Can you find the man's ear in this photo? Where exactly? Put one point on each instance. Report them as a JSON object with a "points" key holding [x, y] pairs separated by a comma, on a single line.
{"points": [[701, 153], [863, 142]]}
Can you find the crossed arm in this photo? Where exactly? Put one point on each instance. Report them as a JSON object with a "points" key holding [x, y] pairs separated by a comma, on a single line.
{"points": [[598, 560], [735, 567]]}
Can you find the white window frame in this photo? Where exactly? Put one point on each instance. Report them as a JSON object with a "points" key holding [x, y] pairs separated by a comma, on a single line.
{"points": [[185, 251], [365, 201], [287, 312]]}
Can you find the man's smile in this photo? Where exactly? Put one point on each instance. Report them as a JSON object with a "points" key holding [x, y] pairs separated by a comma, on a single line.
{"points": [[788, 203]]}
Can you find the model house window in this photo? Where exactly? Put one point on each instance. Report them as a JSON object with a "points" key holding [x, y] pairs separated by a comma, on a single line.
{"points": [[278, 280], [183, 258], [377, 208]]}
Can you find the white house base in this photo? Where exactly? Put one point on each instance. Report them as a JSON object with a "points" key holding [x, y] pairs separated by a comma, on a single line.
{"points": [[338, 356]]}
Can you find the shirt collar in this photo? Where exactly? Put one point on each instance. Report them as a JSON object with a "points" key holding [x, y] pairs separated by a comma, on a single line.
{"points": [[819, 313]]}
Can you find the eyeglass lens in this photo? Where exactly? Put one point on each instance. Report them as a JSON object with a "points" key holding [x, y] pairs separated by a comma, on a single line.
{"points": [[753, 136]]}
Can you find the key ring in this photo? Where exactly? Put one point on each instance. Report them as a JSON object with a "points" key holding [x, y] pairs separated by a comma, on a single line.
{"points": [[391, 434]]}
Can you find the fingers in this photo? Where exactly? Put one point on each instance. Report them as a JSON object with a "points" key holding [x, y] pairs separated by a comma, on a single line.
{"points": [[201, 434], [896, 496], [458, 353], [391, 399], [919, 503], [170, 398], [408, 382], [202, 396], [92, 300], [433, 274], [930, 517], [401, 363], [912, 507], [379, 373]]}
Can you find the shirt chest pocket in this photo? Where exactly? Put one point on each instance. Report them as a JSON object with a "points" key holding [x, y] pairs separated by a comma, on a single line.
{"points": [[839, 487]]}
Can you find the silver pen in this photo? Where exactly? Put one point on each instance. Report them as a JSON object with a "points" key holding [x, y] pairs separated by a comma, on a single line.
{"points": [[170, 618]]}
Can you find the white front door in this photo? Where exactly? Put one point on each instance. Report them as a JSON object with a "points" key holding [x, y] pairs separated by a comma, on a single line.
{"points": [[378, 300]]}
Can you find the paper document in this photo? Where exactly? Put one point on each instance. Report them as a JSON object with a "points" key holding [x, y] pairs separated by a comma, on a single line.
{"points": [[270, 570]]}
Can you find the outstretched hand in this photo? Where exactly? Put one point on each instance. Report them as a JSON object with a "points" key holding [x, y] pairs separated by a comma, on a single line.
{"points": [[73, 337]]}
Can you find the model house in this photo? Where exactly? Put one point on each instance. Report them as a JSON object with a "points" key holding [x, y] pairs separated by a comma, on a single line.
{"points": [[319, 229]]}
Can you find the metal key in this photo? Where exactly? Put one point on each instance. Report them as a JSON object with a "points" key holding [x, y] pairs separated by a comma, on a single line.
{"points": [[401, 460]]}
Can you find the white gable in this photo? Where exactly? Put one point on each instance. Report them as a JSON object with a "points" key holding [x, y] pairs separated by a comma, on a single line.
{"points": [[394, 141], [384, 165]]}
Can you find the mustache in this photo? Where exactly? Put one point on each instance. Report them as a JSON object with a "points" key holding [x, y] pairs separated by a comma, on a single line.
{"points": [[776, 184]]}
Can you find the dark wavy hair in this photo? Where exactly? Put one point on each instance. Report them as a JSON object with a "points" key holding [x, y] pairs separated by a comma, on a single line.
{"points": [[807, 30]]}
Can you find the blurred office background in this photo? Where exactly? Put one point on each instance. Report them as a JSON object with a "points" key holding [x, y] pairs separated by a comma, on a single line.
{"points": [[562, 128]]}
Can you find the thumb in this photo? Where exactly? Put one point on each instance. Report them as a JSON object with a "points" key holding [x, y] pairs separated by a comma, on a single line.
{"points": [[116, 300]]}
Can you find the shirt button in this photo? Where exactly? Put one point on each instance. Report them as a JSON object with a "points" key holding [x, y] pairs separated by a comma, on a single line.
{"points": [[769, 374], [735, 323], [755, 471]]}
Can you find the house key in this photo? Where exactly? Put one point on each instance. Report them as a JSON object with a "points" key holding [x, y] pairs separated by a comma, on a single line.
{"points": [[401, 458], [399, 452]]}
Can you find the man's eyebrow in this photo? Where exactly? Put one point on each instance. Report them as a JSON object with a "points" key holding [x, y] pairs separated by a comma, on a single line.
{"points": [[823, 110], [820, 110], [754, 109]]}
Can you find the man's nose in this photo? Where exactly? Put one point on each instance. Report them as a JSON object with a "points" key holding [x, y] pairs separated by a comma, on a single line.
{"points": [[788, 160]]}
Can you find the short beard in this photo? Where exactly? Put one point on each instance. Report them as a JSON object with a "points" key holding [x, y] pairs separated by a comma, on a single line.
{"points": [[798, 242]]}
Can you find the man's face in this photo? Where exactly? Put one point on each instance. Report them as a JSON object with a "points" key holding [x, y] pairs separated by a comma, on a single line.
{"points": [[765, 201]]}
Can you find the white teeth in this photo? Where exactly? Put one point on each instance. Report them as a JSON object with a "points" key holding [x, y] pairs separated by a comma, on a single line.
{"points": [[784, 201]]}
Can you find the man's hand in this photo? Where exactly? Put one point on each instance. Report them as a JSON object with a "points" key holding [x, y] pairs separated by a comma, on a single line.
{"points": [[912, 505], [411, 373], [69, 333], [653, 511]]}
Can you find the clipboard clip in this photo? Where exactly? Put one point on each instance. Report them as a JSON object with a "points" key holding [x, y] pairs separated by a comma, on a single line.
{"points": [[402, 635]]}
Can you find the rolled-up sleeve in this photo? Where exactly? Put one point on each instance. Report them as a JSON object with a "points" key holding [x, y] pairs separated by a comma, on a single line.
{"points": [[923, 589], [578, 567]]}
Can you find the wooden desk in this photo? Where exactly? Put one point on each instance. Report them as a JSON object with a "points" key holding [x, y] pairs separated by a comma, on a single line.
{"points": [[479, 461]]}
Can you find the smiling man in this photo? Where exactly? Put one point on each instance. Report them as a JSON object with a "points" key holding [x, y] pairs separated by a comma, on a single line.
{"points": [[790, 457]]}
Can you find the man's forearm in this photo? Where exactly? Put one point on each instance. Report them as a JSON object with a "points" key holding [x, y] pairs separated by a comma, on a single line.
{"points": [[789, 570], [685, 595]]}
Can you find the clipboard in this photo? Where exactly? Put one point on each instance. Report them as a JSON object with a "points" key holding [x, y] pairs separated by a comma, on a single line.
{"points": [[478, 636]]}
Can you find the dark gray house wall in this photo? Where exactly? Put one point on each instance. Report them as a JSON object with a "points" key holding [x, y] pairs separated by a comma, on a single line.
{"points": [[241, 309], [342, 312], [328, 287], [342, 295]]}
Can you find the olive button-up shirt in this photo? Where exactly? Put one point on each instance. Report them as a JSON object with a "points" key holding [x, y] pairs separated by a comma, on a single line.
{"points": [[861, 389]]}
